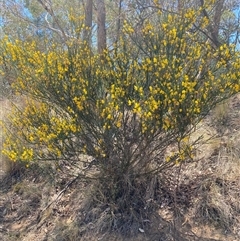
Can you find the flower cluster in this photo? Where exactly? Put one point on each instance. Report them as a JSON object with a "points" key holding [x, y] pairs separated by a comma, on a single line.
{"points": [[152, 87]]}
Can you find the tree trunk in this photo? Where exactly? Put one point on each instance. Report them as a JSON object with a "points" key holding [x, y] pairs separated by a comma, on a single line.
{"points": [[214, 25], [118, 24], [101, 30], [180, 6], [217, 17], [88, 22]]}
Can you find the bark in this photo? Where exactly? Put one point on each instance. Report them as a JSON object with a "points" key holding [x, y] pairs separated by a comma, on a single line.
{"points": [[217, 17], [118, 25], [180, 5], [88, 22], [213, 27], [101, 29]]}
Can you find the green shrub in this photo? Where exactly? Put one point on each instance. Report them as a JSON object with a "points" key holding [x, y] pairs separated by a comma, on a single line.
{"points": [[123, 108]]}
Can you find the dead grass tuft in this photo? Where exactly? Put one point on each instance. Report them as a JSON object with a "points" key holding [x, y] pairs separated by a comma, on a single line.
{"points": [[126, 215], [65, 231], [218, 197], [213, 205]]}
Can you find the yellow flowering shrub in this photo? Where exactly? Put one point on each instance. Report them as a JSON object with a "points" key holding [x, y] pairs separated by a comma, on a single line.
{"points": [[123, 108]]}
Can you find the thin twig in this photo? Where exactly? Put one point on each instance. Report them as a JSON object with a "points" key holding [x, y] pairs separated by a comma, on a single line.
{"points": [[60, 193]]}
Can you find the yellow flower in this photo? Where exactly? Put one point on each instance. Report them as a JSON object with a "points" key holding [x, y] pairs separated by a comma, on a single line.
{"points": [[109, 117]]}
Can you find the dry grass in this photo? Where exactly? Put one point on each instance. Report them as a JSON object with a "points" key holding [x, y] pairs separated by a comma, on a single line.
{"points": [[5, 165], [217, 201]]}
